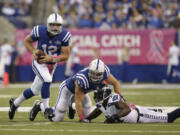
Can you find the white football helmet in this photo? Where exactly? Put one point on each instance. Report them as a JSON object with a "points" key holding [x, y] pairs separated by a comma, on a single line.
{"points": [[54, 24], [96, 70]]}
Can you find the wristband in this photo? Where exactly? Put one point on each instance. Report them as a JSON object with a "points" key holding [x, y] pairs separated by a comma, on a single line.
{"points": [[81, 117], [55, 58]]}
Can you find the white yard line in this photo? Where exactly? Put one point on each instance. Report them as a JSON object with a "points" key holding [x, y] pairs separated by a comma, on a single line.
{"points": [[123, 85], [93, 131], [27, 109]]}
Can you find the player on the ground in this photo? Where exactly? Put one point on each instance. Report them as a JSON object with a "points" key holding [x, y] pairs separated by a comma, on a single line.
{"points": [[53, 40], [83, 82], [116, 110]]}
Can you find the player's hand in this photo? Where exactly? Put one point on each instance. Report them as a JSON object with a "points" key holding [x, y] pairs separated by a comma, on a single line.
{"points": [[35, 54], [84, 121], [45, 59]]}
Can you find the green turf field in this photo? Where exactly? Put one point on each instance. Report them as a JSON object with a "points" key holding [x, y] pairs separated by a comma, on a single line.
{"points": [[146, 97]]}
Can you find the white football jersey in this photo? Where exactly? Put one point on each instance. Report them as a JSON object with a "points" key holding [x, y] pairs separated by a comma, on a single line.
{"points": [[143, 115]]}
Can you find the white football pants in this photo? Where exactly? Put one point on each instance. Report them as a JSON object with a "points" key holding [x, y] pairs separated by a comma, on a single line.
{"points": [[63, 101], [44, 73], [145, 116]]}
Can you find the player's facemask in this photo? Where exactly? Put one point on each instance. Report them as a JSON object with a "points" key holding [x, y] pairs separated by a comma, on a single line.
{"points": [[95, 76], [54, 28]]}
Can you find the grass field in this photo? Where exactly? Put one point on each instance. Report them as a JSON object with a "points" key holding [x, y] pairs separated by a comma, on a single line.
{"points": [[146, 97]]}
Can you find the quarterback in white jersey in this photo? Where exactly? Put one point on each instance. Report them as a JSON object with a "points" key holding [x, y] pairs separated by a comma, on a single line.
{"points": [[117, 110], [53, 43], [83, 82]]}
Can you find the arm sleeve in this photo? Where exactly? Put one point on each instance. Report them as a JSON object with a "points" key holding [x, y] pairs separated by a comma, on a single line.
{"points": [[35, 33], [80, 82], [107, 72], [66, 38]]}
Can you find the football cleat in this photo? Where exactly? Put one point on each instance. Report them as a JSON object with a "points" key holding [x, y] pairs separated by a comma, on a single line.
{"points": [[12, 108], [49, 113], [34, 111], [71, 112]]}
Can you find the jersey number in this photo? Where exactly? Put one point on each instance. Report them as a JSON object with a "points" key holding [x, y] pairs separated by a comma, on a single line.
{"points": [[115, 97], [50, 50]]}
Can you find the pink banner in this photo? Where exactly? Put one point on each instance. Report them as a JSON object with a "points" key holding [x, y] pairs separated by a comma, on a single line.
{"points": [[146, 46]]}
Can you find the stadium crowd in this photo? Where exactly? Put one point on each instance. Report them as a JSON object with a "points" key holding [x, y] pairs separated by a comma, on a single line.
{"points": [[102, 14], [114, 14], [15, 11]]}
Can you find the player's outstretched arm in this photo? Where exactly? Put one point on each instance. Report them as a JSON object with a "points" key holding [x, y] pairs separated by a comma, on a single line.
{"points": [[113, 81], [79, 96], [94, 114]]}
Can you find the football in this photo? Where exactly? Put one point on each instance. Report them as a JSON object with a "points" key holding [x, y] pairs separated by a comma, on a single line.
{"points": [[39, 54]]}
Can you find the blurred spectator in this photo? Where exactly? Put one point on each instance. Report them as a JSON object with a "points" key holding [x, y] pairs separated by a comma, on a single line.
{"points": [[176, 22], [173, 62], [110, 19], [8, 9], [125, 60], [72, 20], [5, 55], [13, 63], [72, 65], [98, 20], [155, 21], [22, 9], [85, 21], [24, 56], [15, 11]]}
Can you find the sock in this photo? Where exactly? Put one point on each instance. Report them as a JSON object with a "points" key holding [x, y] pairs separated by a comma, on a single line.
{"points": [[28, 93], [45, 93], [173, 115], [19, 100], [45, 103]]}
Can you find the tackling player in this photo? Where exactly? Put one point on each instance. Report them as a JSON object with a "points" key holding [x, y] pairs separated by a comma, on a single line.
{"points": [[117, 110], [83, 82], [53, 40]]}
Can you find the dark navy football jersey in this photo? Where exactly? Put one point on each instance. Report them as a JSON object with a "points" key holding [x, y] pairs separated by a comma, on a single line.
{"points": [[50, 45], [84, 82]]}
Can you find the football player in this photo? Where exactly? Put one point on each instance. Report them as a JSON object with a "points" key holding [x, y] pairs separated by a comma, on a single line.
{"points": [[53, 40], [116, 110], [83, 82]]}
